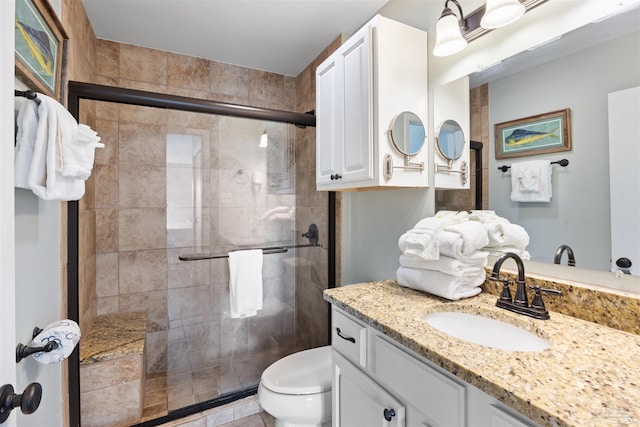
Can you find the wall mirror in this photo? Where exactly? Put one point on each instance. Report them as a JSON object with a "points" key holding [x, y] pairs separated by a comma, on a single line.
{"points": [[450, 140], [407, 133], [581, 52], [450, 144]]}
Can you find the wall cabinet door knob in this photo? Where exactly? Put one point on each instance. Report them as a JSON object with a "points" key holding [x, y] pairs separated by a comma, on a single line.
{"points": [[389, 414], [28, 401]]}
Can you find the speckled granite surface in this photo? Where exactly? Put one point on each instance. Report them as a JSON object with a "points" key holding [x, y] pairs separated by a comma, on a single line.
{"points": [[615, 309], [113, 336], [590, 376]]}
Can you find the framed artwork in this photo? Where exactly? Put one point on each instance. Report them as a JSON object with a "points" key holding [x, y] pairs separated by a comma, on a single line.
{"points": [[39, 46], [540, 134]]}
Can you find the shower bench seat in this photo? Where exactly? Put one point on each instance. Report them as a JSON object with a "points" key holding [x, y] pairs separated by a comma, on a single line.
{"points": [[112, 370]]}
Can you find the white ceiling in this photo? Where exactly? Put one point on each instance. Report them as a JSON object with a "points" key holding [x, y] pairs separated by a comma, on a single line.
{"points": [[284, 36], [280, 36]]}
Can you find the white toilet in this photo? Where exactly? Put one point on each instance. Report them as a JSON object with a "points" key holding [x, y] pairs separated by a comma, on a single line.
{"points": [[296, 390]]}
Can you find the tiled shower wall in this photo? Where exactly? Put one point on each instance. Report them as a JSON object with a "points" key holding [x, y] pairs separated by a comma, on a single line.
{"points": [[130, 213], [465, 199]]}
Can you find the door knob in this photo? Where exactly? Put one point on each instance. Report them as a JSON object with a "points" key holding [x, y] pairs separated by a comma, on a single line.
{"points": [[28, 401]]}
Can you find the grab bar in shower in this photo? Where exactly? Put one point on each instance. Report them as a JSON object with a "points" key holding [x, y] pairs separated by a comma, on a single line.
{"points": [[266, 251]]}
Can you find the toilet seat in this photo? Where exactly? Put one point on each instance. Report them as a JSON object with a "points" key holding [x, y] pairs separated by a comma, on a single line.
{"points": [[305, 372]]}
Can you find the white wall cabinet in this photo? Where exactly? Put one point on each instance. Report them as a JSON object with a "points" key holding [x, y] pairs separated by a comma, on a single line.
{"points": [[378, 73], [391, 379]]}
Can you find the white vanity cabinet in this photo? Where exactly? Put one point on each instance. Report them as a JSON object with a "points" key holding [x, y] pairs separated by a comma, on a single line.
{"points": [[377, 74], [378, 382]]}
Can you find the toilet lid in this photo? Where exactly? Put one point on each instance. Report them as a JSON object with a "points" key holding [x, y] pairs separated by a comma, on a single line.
{"points": [[305, 372]]}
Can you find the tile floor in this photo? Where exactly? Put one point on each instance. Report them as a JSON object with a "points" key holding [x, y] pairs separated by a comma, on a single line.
{"points": [[165, 392]]}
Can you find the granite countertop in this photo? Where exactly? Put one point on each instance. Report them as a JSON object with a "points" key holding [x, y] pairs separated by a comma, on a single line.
{"points": [[113, 336], [589, 376]]}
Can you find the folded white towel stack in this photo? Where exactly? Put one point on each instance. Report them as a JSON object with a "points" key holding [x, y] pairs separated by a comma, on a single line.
{"points": [[54, 154], [443, 285], [245, 282], [65, 333], [451, 262], [531, 181]]}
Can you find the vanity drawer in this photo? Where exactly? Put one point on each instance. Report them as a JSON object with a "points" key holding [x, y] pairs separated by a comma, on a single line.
{"points": [[439, 397], [349, 337]]}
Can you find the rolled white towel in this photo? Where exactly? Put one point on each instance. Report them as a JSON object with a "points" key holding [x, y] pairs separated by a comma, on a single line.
{"points": [[504, 233], [451, 245], [445, 264], [422, 246], [440, 284], [473, 234], [497, 251]]}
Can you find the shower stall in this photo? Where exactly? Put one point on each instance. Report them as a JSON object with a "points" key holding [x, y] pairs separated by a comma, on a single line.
{"points": [[179, 184]]}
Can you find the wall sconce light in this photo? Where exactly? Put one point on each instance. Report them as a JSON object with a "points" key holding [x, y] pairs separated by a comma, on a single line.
{"points": [[499, 13], [449, 38], [453, 33], [264, 140]]}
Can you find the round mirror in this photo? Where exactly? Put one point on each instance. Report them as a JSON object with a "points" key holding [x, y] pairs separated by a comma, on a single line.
{"points": [[450, 140], [407, 133]]}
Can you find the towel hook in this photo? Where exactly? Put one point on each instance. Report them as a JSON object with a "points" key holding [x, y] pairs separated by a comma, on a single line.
{"points": [[23, 351]]}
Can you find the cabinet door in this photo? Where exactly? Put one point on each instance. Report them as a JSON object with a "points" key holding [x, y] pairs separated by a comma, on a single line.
{"points": [[358, 401], [329, 128], [357, 150]]}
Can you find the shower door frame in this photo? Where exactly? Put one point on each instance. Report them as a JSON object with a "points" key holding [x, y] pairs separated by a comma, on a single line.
{"points": [[94, 92]]}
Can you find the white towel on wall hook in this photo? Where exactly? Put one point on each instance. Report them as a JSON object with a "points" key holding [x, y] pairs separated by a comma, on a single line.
{"points": [[531, 181]]}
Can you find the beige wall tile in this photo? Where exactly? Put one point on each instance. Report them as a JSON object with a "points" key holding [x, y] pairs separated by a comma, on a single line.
{"points": [[126, 397], [141, 228], [106, 177], [142, 186], [94, 376], [142, 271], [264, 86], [188, 72], [107, 58], [142, 144], [107, 305], [108, 131], [106, 230], [229, 79], [107, 274], [143, 64], [153, 302], [107, 111]]}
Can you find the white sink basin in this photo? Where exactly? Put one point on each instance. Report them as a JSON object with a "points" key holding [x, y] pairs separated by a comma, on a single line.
{"points": [[485, 331]]}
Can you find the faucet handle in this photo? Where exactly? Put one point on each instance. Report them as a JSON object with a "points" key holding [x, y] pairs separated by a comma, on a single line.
{"points": [[537, 302]]}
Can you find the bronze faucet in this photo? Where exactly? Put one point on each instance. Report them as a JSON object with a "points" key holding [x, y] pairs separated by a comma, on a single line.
{"points": [[571, 261], [520, 304]]}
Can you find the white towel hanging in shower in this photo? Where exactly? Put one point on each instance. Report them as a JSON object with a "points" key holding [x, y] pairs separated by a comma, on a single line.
{"points": [[245, 282]]}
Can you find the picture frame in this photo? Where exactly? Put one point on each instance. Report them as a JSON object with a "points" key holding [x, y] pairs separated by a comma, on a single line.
{"points": [[39, 47], [533, 135]]}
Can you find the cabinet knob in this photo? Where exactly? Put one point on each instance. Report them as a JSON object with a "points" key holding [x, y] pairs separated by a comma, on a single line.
{"points": [[335, 176], [389, 414], [28, 401]]}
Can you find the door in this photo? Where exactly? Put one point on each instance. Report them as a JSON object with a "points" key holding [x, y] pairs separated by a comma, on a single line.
{"points": [[624, 152], [7, 274], [357, 149], [358, 401], [29, 279]]}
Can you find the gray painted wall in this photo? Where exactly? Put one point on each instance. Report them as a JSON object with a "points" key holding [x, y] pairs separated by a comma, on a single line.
{"points": [[578, 214], [373, 221]]}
